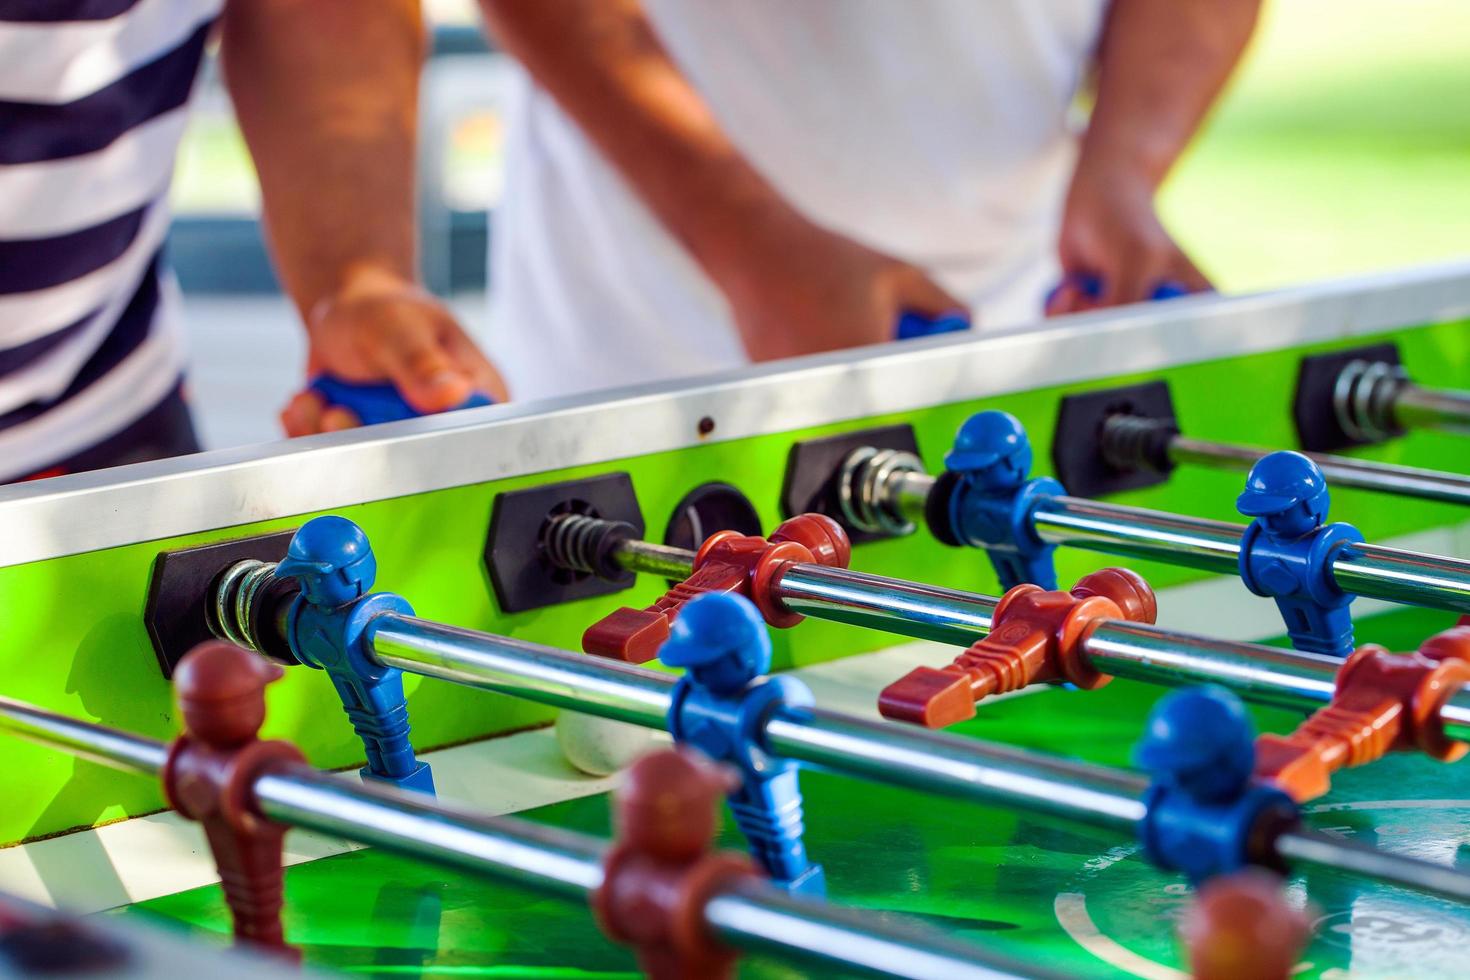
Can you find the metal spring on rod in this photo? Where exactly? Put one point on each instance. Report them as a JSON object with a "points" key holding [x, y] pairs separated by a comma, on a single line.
{"points": [[1136, 442], [229, 611], [863, 489], [1363, 399], [571, 542]]}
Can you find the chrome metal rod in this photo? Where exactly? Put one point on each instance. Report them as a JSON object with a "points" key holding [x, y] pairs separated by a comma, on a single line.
{"points": [[1403, 576], [526, 670], [841, 595], [1214, 546], [654, 559], [1343, 471], [1374, 400], [534, 855], [1368, 570], [967, 769], [926, 612], [909, 492], [298, 795], [1455, 717], [1260, 674], [1126, 531], [1434, 408], [1133, 532], [961, 768], [1312, 847], [540, 857], [97, 743], [913, 758]]}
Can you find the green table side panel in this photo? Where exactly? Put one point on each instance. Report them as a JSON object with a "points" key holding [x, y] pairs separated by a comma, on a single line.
{"points": [[72, 637], [990, 876]]}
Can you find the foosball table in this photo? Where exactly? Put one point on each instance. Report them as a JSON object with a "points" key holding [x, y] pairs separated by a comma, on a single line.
{"points": [[1128, 645]]}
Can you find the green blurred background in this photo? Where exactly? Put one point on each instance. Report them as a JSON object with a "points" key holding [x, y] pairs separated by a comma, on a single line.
{"points": [[1343, 146]]}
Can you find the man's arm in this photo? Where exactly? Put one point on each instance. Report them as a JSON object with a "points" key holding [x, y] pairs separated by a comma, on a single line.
{"points": [[326, 92], [793, 287], [1161, 65]]}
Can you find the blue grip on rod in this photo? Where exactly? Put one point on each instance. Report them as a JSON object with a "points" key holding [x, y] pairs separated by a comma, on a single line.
{"points": [[378, 401], [912, 325], [1091, 286]]}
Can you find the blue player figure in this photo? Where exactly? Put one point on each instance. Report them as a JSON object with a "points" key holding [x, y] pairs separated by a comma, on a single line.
{"points": [[991, 500], [1206, 814], [720, 707], [1201, 740], [1286, 553], [328, 628]]}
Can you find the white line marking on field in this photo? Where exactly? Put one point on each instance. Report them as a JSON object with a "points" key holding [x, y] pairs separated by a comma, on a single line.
{"points": [[1071, 910]]}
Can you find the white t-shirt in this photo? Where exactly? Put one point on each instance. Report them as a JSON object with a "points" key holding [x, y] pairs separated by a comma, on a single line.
{"points": [[935, 131]]}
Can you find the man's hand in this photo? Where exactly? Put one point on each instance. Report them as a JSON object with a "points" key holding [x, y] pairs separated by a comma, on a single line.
{"points": [[389, 330], [332, 133], [813, 290], [1111, 234], [1160, 65]]}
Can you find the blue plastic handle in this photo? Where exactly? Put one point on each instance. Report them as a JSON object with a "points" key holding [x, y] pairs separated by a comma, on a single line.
{"points": [[1091, 287], [911, 324], [377, 402]]}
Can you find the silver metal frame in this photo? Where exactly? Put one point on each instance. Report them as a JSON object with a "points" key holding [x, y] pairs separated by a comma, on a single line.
{"points": [[90, 511]]}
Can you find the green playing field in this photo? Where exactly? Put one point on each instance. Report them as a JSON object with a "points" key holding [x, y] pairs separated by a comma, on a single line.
{"points": [[1063, 897]]}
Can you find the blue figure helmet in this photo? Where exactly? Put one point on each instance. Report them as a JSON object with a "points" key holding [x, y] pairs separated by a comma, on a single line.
{"points": [[992, 446], [1201, 740], [722, 639], [333, 561], [1287, 491]]}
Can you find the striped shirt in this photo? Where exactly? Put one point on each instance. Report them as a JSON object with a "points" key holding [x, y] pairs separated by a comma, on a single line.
{"points": [[93, 99]]}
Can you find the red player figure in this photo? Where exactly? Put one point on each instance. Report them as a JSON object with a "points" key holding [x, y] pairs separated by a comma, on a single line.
{"points": [[1036, 636], [210, 777], [727, 562], [1383, 702], [660, 872], [1242, 926]]}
